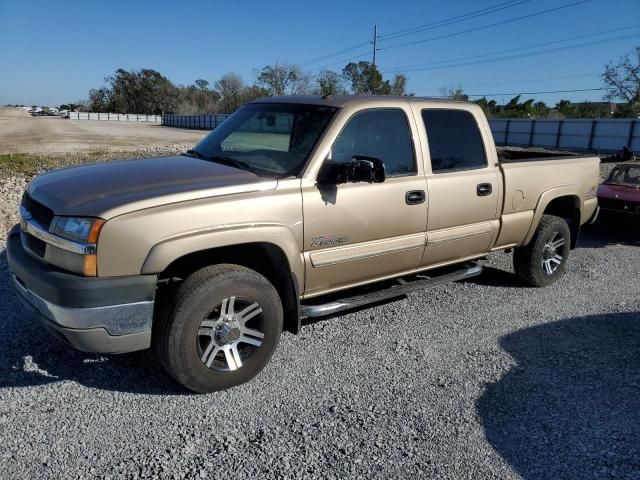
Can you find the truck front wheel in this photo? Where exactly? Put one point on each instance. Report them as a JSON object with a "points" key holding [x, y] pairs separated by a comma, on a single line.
{"points": [[220, 329], [544, 259]]}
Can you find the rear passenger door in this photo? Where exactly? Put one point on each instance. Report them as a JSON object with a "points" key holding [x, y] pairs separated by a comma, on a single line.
{"points": [[464, 188]]}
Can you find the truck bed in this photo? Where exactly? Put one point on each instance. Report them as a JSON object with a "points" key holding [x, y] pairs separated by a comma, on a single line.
{"points": [[506, 155], [526, 179]]}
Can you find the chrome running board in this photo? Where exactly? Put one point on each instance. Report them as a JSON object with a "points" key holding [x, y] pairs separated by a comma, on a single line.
{"points": [[403, 287]]}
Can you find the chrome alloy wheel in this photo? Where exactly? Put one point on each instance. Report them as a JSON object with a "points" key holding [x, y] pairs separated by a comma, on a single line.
{"points": [[553, 253], [230, 334]]}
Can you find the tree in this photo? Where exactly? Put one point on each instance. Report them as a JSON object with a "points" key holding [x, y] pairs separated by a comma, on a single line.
{"points": [[366, 79], [100, 100], [202, 84], [280, 79], [399, 84], [230, 87], [197, 99], [623, 81], [329, 83], [489, 107], [454, 94], [253, 93], [136, 91]]}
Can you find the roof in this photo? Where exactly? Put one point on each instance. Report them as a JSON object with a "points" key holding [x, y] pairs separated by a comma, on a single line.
{"points": [[342, 100]]}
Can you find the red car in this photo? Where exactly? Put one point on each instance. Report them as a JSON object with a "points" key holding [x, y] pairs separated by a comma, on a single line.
{"points": [[619, 194]]}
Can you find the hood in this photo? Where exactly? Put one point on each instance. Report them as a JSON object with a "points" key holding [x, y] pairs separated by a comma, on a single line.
{"points": [[628, 193], [113, 188]]}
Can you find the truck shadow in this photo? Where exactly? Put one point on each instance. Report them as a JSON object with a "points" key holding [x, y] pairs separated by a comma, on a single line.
{"points": [[30, 356], [494, 277], [569, 407], [601, 235]]}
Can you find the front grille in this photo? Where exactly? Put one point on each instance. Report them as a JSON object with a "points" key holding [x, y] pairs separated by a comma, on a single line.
{"points": [[617, 204], [34, 244], [41, 214]]}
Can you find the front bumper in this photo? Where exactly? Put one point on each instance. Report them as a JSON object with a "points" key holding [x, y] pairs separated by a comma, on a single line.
{"points": [[93, 314]]}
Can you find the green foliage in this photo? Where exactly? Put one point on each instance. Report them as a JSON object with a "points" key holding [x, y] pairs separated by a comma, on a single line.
{"points": [[283, 79], [454, 94], [135, 91], [329, 83], [399, 84], [489, 107], [20, 162], [366, 79]]}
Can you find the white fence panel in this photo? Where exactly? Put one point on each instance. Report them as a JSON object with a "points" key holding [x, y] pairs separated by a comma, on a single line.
{"points": [[115, 117]]}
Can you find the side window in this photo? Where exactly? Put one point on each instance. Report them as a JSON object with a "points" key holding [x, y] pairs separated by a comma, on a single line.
{"points": [[381, 133], [454, 140]]}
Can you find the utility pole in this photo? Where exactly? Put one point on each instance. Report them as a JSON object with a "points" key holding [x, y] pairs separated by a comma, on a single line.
{"points": [[375, 42]]}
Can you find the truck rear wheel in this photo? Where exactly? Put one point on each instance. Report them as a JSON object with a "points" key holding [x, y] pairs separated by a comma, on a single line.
{"points": [[544, 260], [220, 329]]}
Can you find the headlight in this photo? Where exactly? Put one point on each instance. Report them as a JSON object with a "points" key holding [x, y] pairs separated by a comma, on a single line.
{"points": [[83, 231]]}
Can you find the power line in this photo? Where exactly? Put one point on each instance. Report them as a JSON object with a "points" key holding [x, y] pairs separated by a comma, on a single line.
{"points": [[516, 82], [343, 61], [452, 20], [469, 15], [544, 44], [483, 27], [575, 90], [524, 55], [335, 54], [417, 29]]}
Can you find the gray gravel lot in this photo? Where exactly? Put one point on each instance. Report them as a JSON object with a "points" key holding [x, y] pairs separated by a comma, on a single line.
{"points": [[480, 379]]}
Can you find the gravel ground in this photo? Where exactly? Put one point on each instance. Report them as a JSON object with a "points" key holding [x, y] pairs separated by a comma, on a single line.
{"points": [[477, 379], [25, 134]]}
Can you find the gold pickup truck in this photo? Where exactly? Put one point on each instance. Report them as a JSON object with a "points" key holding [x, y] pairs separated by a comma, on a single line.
{"points": [[294, 207]]}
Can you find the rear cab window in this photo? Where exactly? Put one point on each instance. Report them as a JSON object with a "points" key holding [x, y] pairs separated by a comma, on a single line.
{"points": [[455, 141]]}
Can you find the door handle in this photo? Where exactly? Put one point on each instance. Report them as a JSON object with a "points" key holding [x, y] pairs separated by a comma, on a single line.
{"points": [[415, 197], [484, 189]]}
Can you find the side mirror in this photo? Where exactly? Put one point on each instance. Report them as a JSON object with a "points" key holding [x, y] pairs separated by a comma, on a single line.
{"points": [[359, 169]]}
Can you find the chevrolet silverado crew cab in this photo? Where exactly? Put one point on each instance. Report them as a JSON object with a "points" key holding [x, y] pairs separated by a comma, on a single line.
{"points": [[293, 207]]}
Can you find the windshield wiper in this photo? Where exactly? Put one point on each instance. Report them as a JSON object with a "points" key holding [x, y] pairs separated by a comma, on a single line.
{"points": [[194, 153], [230, 161], [218, 159]]}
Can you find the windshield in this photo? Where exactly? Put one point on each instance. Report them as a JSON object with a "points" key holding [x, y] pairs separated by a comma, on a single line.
{"points": [[629, 175], [268, 139]]}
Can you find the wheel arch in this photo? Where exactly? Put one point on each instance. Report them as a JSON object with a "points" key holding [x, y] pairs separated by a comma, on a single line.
{"points": [[564, 202], [267, 258]]}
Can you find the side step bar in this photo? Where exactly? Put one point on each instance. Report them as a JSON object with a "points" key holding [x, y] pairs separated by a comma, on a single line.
{"points": [[320, 310]]}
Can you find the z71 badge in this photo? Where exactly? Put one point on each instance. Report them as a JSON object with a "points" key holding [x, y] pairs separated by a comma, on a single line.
{"points": [[326, 240]]}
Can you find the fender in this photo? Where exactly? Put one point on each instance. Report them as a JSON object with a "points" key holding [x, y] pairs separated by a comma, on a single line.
{"points": [[164, 253], [546, 198]]}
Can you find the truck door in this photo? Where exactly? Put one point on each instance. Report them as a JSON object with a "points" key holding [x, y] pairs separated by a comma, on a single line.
{"points": [[464, 187], [358, 232]]}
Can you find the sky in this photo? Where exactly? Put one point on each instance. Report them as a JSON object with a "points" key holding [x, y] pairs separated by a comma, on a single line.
{"points": [[53, 52]]}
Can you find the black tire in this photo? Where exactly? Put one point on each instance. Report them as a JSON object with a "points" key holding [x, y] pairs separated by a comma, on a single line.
{"points": [[529, 261], [177, 333]]}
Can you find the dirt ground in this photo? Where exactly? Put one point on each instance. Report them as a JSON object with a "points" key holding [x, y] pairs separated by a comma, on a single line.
{"points": [[21, 133]]}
